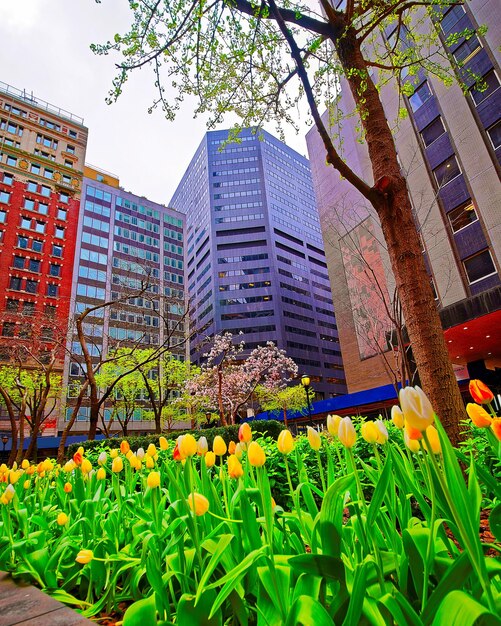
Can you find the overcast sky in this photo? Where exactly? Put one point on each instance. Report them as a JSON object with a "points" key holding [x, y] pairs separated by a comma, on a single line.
{"points": [[44, 48]]}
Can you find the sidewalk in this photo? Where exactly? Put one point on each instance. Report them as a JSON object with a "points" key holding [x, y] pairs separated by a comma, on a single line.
{"points": [[28, 606]]}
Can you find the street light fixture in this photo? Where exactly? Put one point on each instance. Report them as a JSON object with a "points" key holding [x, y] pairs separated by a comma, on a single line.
{"points": [[305, 381]]}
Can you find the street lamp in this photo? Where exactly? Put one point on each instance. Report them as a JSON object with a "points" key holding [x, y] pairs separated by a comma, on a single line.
{"points": [[305, 381]]}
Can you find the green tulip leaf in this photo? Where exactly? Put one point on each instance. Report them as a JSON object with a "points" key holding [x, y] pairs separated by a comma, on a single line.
{"points": [[495, 522], [307, 610], [460, 609], [141, 613], [196, 610]]}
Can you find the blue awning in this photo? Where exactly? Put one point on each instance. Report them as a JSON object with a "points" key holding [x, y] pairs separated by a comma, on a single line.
{"points": [[44, 443]]}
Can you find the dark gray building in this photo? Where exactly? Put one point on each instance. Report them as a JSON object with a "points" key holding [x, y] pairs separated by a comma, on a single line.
{"points": [[255, 255]]}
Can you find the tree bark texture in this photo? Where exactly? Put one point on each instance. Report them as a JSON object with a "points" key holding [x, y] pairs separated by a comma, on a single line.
{"points": [[392, 204]]}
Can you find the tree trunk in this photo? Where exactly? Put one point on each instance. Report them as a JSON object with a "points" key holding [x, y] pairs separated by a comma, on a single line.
{"points": [[13, 426], [392, 203], [69, 425], [220, 397], [285, 416]]}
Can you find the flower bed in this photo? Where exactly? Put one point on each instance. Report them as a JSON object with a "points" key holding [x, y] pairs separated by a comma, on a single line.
{"points": [[348, 526]]}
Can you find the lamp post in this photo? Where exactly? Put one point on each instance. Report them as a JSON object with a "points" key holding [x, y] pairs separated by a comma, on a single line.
{"points": [[305, 381], [5, 439]]}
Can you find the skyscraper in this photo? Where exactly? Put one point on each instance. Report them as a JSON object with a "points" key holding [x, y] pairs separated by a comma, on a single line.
{"points": [[255, 257], [124, 241], [42, 152], [449, 147]]}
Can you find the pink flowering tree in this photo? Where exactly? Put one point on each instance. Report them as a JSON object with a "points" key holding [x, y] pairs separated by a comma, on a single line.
{"points": [[227, 380]]}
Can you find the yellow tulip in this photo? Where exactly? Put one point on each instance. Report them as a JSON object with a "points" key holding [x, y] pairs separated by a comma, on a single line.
{"points": [[210, 459], [256, 455], [153, 480], [285, 442], [232, 446], [114, 453], [117, 465], [478, 415], [382, 432], [129, 456], [412, 444], [202, 446], [162, 442], [86, 466], [235, 469], [198, 503], [432, 434], [25, 464], [397, 417], [218, 446], [333, 424], [14, 477], [26, 484], [68, 487], [496, 428], [188, 446], [84, 556], [150, 462], [369, 432], [151, 451], [416, 407], [239, 451], [101, 473], [8, 494], [347, 434], [80, 450], [124, 446], [314, 438], [245, 433], [62, 519]]}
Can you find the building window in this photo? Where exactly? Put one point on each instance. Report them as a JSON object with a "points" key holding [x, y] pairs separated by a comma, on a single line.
{"points": [[45, 191], [72, 133], [64, 197], [488, 85], [462, 216], [35, 169], [18, 262], [420, 96], [12, 161], [68, 163], [37, 245], [22, 242], [70, 149], [26, 222], [28, 309], [447, 171], [31, 286], [4, 197], [52, 290], [34, 265], [29, 204], [59, 232], [451, 18], [479, 266], [31, 186], [61, 214], [57, 251], [7, 179], [48, 173], [12, 305], [8, 329], [3, 217], [50, 311], [494, 133], [40, 227], [433, 131], [466, 50], [15, 283], [43, 208]]}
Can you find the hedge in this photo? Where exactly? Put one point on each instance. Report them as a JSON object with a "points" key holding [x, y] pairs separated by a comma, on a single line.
{"points": [[271, 428]]}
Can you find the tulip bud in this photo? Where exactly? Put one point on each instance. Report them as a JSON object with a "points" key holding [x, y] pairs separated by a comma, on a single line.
{"points": [[347, 434], [478, 415], [198, 503], [114, 453], [153, 480], [68, 487], [480, 392], [314, 438], [202, 446], [218, 446], [129, 456], [416, 408], [69, 466], [8, 494], [239, 451], [77, 458], [176, 453], [151, 451], [86, 466], [124, 446], [232, 447], [285, 442], [102, 458], [235, 469], [397, 417], [245, 433], [256, 455], [150, 462], [117, 465], [62, 519], [14, 477], [26, 484], [25, 464], [413, 433], [432, 434], [140, 453], [333, 424], [412, 444], [84, 556], [496, 428], [382, 432], [369, 432], [101, 473], [162, 442], [188, 446], [210, 459]]}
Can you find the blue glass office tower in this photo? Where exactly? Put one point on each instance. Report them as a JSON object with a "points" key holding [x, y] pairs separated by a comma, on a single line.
{"points": [[255, 255]]}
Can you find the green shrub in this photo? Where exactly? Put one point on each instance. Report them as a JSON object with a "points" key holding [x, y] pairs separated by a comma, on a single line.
{"points": [[271, 428]]}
